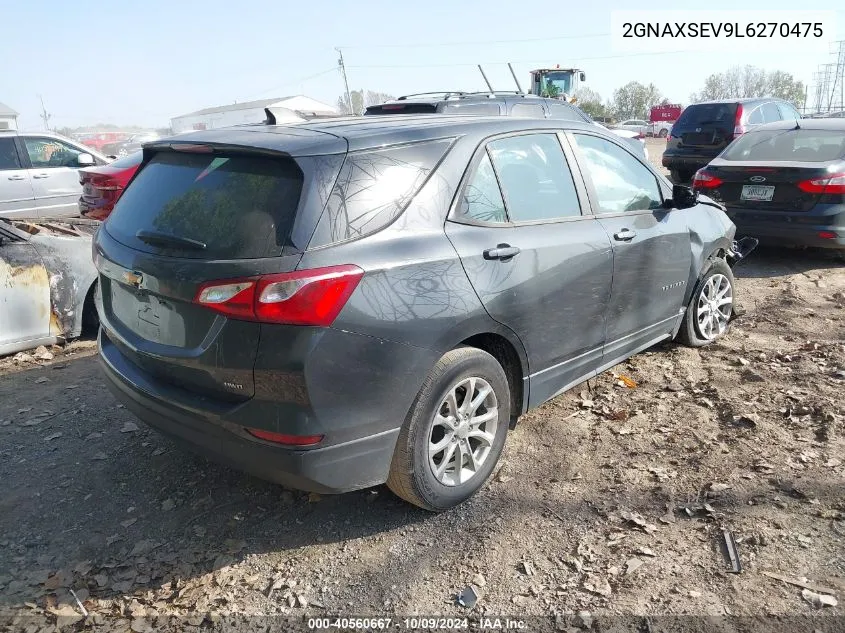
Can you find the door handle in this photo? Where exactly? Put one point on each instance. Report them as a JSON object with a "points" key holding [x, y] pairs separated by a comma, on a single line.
{"points": [[625, 235], [502, 251], [41, 176], [16, 177]]}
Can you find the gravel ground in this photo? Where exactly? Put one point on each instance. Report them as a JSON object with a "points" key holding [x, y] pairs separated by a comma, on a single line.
{"points": [[610, 502]]}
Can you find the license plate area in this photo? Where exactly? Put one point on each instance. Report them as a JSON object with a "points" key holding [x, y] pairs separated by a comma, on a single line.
{"points": [[150, 317], [757, 193]]}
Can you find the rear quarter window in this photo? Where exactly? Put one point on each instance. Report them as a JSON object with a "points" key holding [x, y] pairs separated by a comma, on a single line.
{"points": [[239, 206], [374, 187]]}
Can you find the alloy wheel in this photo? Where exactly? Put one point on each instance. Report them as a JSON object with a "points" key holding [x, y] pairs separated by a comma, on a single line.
{"points": [[462, 431], [714, 306]]}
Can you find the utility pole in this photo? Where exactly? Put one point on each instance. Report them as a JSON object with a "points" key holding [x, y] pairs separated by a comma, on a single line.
{"points": [[345, 81], [44, 116]]}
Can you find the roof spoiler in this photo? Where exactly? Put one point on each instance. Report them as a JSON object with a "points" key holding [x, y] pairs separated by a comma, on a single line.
{"points": [[276, 115]]}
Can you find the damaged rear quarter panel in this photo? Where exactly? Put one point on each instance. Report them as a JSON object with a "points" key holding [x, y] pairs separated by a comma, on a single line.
{"points": [[72, 275]]}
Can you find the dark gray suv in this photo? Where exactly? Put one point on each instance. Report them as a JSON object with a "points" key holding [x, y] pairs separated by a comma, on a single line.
{"points": [[334, 305]]}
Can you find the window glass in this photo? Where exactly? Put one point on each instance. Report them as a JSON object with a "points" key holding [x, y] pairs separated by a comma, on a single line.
{"points": [[756, 116], [622, 183], [482, 199], [818, 146], [239, 207], [48, 152], [771, 112], [374, 187], [472, 108], [9, 154], [533, 110], [565, 112], [535, 178], [787, 112]]}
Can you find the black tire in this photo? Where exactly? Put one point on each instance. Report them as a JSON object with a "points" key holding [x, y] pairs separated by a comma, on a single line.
{"points": [[411, 476], [680, 176], [690, 333]]}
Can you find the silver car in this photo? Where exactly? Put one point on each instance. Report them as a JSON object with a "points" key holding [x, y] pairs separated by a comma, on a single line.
{"points": [[634, 125], [39, 174]]}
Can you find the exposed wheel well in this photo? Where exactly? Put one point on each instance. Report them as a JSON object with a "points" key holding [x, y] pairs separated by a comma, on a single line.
{"points": [[90, 319], [503, 351]]}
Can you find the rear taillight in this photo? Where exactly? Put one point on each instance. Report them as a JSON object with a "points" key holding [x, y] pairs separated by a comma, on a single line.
{"points": [[828, 235], [288, 440], [834, 183], [306, 297], [705, 180], [739, 128]]}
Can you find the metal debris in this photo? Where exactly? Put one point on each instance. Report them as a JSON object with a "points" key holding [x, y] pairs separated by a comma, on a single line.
{"points": [[802, 582], [732, 552], [818, 600], [468, 597]]}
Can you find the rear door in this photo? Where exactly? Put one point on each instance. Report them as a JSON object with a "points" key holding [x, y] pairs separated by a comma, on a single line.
{"points": [[16, 196], [651, 245], [54, 173], [189, 218], [540, 265]]}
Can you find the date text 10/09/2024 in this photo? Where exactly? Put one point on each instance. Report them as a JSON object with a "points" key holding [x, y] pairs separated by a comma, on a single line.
{"points": [[693, 30], [417, 623]]}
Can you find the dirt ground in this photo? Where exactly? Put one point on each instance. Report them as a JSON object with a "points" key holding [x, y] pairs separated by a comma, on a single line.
{"points": [[608, 509]]}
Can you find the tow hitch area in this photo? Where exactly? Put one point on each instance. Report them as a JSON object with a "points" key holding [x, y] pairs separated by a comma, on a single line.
{"points": [[740, 250]]}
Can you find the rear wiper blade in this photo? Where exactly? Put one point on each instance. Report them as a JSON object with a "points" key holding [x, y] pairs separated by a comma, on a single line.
{"points": [[155, 238]]}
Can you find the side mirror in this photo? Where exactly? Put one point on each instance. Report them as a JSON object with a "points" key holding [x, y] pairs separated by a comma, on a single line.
{"points": [[583, 76], [683, 197], [85, 160]]}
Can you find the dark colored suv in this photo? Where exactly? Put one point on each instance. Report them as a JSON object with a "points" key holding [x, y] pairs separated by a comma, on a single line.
{"points": [[338, 304], [705, 129]]}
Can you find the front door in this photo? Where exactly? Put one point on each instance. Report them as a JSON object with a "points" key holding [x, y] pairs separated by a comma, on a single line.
{"points": [[55, 176], [651, 246], [16, 197], [538, 265]]}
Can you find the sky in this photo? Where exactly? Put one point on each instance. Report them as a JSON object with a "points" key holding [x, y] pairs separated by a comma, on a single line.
{"points": [[142, 63]]}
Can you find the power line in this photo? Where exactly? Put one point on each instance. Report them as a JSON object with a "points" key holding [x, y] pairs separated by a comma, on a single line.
{"points": [[476, 42], [529, 61], [291, 83]]}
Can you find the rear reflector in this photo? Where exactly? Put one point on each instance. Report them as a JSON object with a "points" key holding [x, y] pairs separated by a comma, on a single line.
{"points": [[304, 297], [827, 235], [834, 183], [705, 180], [288, 440]]}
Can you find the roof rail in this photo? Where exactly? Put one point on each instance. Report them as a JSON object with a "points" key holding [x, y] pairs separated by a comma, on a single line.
{"points": [[446, 94]]}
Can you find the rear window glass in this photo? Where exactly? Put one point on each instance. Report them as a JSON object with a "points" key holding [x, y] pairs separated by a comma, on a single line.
{"points": [[374, 187], [240, 207], [713, 114], [812, 146]]}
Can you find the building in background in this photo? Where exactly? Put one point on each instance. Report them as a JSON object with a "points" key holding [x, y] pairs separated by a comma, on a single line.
{"points": [[251, 112], [8, 118]]}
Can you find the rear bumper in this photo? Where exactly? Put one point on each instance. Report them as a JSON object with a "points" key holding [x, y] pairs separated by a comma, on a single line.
{"points": [[685, 163], [777, 228], [351, 465]]}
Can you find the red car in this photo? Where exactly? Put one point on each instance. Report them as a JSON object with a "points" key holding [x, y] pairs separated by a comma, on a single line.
{"points": [[102, 186]]}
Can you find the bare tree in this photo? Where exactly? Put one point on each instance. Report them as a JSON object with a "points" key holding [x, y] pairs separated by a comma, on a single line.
{"points": [[748, 81], [634, 100]]}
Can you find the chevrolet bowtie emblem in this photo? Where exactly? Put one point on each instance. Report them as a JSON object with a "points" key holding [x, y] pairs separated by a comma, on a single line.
{"points": [[133, 278]]}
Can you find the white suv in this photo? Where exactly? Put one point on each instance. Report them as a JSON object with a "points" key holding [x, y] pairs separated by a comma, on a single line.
{"points": [[39, 174]]}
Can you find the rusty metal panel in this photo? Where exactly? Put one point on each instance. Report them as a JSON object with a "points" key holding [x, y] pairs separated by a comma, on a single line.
{"points": [[25, 305]]}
